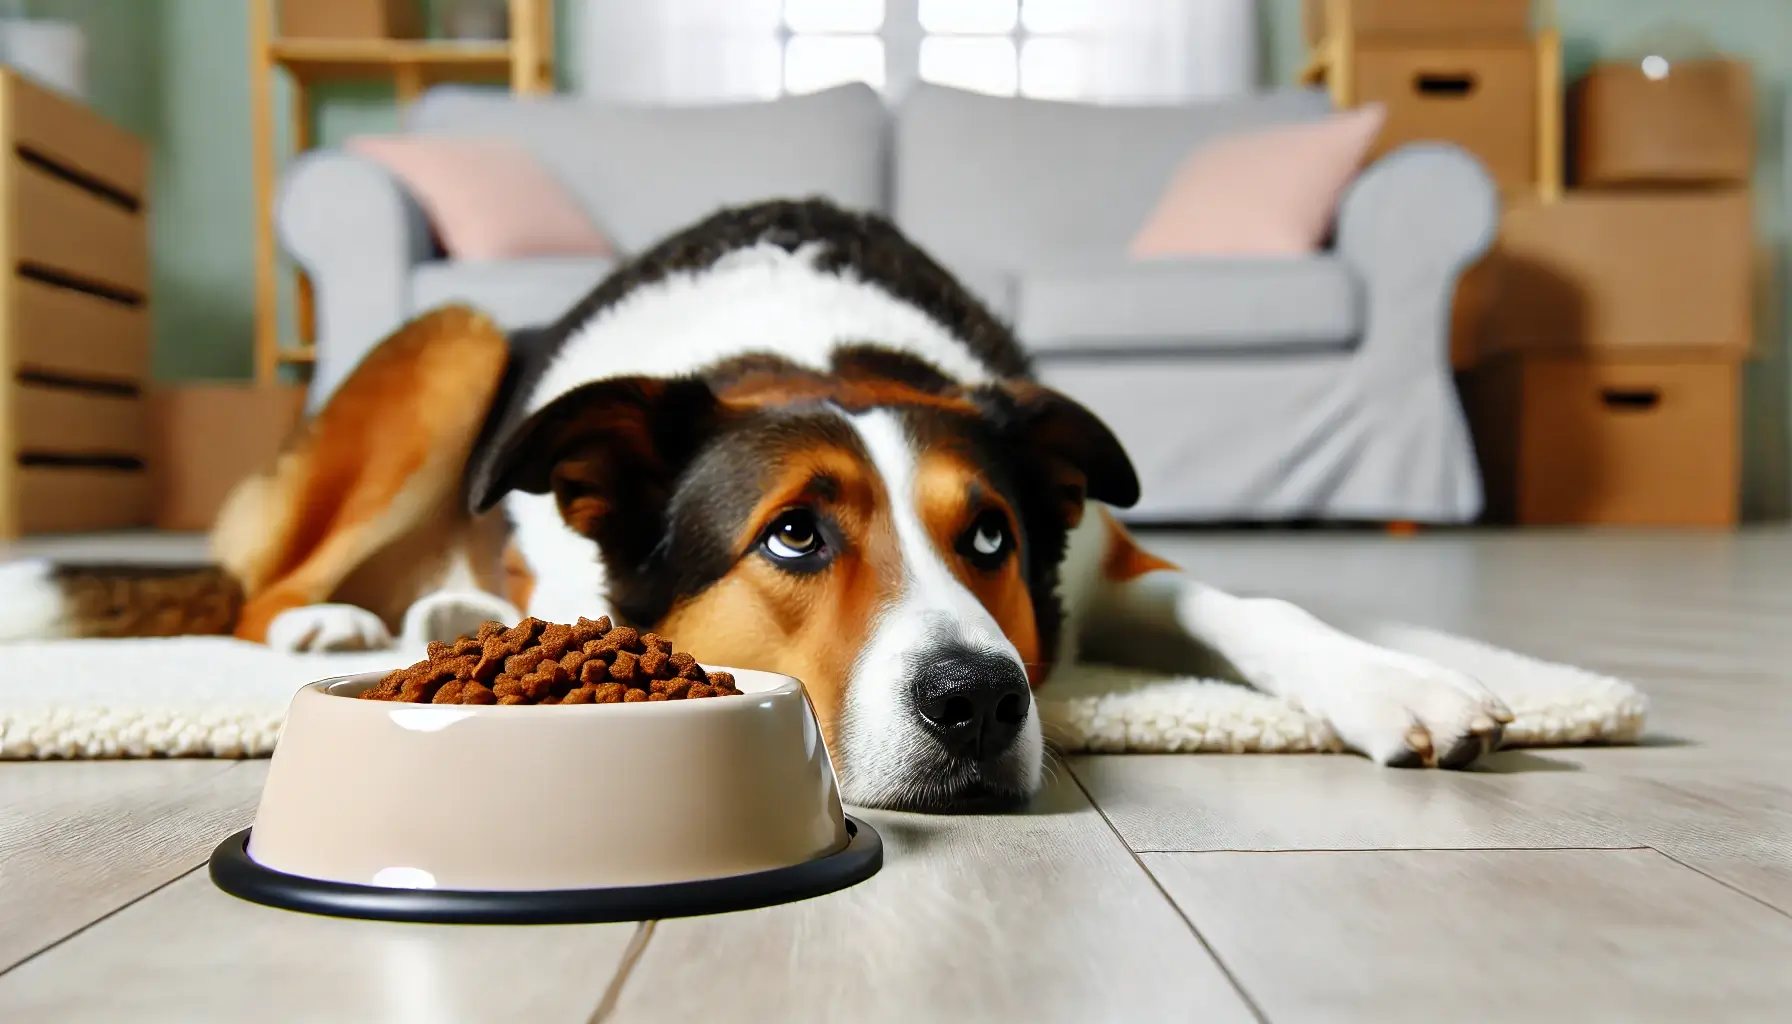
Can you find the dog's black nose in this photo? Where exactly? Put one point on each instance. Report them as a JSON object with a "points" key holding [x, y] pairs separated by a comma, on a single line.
{"points": [[974, 702]]}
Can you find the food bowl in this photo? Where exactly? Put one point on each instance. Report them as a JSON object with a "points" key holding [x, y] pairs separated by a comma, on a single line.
{"points": [[556, 813]]}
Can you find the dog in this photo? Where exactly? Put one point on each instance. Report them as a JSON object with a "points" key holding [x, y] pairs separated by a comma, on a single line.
{"points": [[789, 439]]}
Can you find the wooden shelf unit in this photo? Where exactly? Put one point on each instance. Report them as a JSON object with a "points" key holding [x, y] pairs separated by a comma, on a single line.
{"points": [[524, 61]]}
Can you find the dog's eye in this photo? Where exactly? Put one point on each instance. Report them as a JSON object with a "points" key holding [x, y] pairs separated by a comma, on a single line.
{"points": [[794, 540], [985, 545]]}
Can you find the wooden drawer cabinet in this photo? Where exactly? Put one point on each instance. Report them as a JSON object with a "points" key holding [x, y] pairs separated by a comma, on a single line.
{"points": [[74, 317]]}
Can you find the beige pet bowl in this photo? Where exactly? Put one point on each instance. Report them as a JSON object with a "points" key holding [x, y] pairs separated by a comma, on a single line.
{"points": [[591, 812]]}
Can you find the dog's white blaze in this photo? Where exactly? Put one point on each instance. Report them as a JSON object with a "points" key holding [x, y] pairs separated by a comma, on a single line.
{"points": [[760, 299], [879, 730]]}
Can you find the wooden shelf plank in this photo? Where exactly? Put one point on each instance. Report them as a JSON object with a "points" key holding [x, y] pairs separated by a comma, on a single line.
{"points": [[300, 355], [335, 58]]}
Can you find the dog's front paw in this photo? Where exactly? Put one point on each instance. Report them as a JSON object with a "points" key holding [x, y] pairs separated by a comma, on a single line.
{"points": [[448, 615], [1407, 712], [316, 628]]}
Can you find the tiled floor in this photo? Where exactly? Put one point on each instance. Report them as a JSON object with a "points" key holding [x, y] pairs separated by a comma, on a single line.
{"points": [[1648, 883]]}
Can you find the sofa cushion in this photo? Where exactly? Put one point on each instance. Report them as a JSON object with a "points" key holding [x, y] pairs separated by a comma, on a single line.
{"points": [[1007, 182], [487, 199], [1273, 192], [516, 293], [1207, 305], [645, 171]]}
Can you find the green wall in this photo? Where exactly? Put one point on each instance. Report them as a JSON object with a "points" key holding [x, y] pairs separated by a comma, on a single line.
{"points": [[177, 72]]}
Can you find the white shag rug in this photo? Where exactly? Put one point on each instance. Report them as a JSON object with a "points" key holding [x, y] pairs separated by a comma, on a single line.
{"points": [[218, 697]]}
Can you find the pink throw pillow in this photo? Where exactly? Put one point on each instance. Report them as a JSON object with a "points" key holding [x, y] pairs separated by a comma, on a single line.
{"points": [[1268, 193], [486, 199]]}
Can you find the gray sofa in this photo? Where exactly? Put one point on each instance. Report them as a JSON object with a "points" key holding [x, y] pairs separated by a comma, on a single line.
{"points": [[1245, 389]]}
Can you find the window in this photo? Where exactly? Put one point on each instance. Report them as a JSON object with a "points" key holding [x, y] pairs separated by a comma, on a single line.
{"points": [[1007, 47], [831, 42], [699, 51]]}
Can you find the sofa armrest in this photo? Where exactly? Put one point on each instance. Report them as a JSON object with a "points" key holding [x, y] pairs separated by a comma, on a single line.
{"points": [[1410, 225], [358, 234]]}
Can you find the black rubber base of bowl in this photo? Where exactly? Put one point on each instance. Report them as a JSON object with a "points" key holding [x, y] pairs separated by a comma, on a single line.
{"points": [[235, 872]]}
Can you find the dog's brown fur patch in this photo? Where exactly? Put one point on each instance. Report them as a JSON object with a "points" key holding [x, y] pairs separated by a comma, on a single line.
{"points": [[143, 601], [807, 626], [1124, 560], [381, 463]]}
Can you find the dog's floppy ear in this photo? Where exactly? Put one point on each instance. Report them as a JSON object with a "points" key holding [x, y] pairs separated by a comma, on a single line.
{"points": [[1084, 458], [609, 452]]}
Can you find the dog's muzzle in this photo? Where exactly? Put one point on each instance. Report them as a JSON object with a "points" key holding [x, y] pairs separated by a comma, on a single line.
{"points": [[972, 702]]}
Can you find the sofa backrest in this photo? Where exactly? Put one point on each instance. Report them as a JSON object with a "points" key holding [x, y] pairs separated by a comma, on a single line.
{"points": [[995, 182], [643, 171]]}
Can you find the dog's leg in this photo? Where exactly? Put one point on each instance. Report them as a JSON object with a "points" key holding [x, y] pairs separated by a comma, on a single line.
{"points": [[448, 615], [328, 627], [465, 600], [382, 459], [1397, 709]]}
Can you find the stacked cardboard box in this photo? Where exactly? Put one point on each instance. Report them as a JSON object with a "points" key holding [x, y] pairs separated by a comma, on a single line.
{"points": [[206, 437], [1605, 385], [1470, 72]]}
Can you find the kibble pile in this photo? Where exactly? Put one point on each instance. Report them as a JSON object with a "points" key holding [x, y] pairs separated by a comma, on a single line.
{"points": [[536, 662]]}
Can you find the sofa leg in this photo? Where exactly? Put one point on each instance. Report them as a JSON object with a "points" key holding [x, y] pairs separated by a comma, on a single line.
{"points": [[1403, 528]]}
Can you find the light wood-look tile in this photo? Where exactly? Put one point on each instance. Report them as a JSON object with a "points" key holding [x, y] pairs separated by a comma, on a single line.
{"points": [[1046, 916], [190, 953], [79, 840], [1037, 917], [1176, 802], [1508, 935], [1738, 832]]}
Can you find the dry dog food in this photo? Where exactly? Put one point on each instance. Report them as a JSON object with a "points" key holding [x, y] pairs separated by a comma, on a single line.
{"points": [[536, 662]]}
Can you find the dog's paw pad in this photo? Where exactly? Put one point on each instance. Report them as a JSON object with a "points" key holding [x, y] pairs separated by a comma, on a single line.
{"points": [[448, 615], [319, 628]]}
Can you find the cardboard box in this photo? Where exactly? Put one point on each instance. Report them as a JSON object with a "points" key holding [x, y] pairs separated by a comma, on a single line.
{"points": [[1481, 96], [1694, 126], [1626, 271], [207, 437], [1607, 440], [1432, 20], [350, 19]]}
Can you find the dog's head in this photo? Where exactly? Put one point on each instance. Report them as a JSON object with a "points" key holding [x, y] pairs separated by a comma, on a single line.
{"points": [[888, 537]]}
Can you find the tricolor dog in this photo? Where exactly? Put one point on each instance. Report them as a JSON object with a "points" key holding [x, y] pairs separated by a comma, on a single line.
{"points": [[790, 440]]}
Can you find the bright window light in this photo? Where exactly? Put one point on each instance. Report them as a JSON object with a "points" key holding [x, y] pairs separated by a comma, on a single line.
{"points": [[1054, 16], [844, 16], [714, 17], [968, 62], [967, 17], [813, 63], [1053, 69]]}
